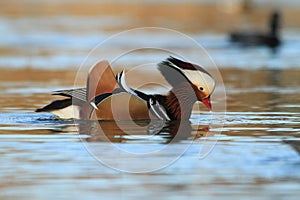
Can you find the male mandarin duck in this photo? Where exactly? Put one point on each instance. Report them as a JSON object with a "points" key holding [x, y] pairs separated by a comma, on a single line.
{"points": [[108, 97]]}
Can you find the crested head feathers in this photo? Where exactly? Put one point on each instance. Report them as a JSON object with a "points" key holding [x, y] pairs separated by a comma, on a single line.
{"points": [[176, 71]]}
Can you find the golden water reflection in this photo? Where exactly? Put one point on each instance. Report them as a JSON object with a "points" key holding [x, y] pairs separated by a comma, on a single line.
{"points": [[151, 131]]}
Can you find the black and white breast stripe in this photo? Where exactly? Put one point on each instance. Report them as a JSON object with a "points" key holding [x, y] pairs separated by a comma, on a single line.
{"points": [[155, 107]]}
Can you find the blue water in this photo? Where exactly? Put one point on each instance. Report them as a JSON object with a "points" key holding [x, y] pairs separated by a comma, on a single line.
{"points": [[253, 154]]}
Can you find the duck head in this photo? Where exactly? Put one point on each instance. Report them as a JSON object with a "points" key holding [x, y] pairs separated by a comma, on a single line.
{"points": [[190, 81]]}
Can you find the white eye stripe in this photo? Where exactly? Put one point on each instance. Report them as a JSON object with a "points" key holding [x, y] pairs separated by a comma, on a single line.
{"points": [[200, 79]]}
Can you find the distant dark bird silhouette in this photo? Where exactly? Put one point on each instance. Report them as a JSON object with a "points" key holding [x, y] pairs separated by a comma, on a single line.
{"points": [[270, 38]]}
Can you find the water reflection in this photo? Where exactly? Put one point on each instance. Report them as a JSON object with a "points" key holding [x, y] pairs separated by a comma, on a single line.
{"points": [[142, 131]]}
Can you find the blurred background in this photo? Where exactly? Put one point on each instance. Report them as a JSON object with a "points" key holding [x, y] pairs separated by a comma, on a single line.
{"points": [[44, 42], [59, 34], [40, 37]]}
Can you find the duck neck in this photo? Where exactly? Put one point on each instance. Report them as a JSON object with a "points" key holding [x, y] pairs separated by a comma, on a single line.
{"points": [[179, 102], [274, 24]]}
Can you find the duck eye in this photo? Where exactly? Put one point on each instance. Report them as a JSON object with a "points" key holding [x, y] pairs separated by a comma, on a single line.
{"points": [[201, 89]]}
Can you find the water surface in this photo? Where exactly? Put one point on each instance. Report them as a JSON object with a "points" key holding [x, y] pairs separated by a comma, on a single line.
{"points": [[255, 154]]}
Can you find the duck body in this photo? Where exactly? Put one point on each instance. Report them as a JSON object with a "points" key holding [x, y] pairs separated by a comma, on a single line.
{"points": [[255, 39], [108, 97]]}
